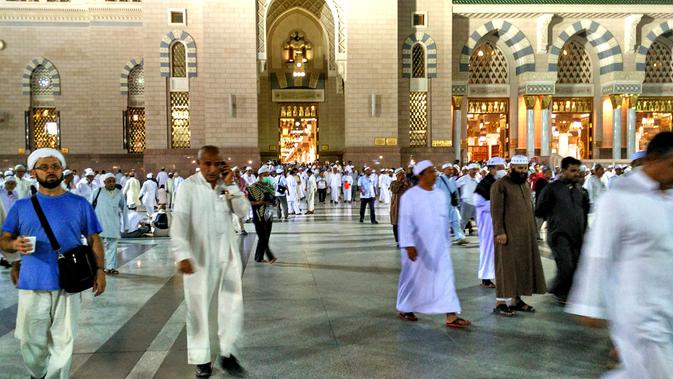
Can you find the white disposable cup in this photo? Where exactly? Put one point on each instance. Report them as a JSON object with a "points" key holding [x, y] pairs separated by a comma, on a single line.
{"points": [[33, 241]]}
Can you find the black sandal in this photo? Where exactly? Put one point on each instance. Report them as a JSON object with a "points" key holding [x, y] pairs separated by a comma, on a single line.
{"points": [[408, 316], [523, 307], [503, 310]]}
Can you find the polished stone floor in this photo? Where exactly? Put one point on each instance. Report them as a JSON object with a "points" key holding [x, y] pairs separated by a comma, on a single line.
{"points": [[326, 309]]}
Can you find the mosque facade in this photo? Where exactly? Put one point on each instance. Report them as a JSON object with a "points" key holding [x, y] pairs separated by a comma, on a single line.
{"points": [[380, 82]]}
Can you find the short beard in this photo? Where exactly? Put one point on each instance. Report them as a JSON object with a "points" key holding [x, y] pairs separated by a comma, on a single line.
{"points": [[519, 177], [50, 184]]}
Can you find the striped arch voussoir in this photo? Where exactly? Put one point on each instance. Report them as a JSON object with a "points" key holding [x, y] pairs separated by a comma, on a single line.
{"points": [[514, 38], [648, 40], [431, 54], [609, 53], [124, 76], [165, 56], [28, 72]]}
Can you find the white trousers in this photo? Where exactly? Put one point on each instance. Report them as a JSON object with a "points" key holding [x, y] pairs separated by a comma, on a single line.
{"points": [[110, 246], [46, 324], [348, 194], [310, 201], [334, 193], [224, 281], [293, 205]]}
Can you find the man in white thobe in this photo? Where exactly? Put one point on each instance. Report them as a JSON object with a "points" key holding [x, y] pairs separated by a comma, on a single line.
{"points": [[334, 186], [293, 193], [384, 186], [87, 185], [176, 184], [467, 184], [347, 182], [205, 247], [22, 184], [482, 203], [132, 190], [426, 280], [170, 186], [311, 189], [624, 270], [148, 194], [110, 208], [162, 177], [595, 185]]}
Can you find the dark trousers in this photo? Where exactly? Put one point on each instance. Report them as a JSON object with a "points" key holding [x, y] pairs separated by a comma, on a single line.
{"points": [[566, 256], [263, 229], [322, 195], [372, 212], [395, 233], [282, 204]]}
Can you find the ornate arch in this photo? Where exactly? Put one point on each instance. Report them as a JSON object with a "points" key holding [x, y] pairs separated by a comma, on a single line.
{"points": [[431, 54], [641, 54], [513, 37], [609, 53], [164, 59], [337, 29], [124, 77], [28, 72]]}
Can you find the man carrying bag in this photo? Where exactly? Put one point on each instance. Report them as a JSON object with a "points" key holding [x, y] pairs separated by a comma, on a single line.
{"points": [[49, 299]]}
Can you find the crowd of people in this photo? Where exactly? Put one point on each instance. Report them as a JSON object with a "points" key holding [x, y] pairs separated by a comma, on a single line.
{"points": [[608, 229]]}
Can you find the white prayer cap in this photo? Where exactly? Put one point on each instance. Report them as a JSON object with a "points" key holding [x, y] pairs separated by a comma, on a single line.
{"points": [[66, 173], [8, 173], [464, 168], [279, 171], [232, 169], [107, 176], [248, 168], [596, 166], [263, 170], [10, 178], [19, 167], [519, 159], [446, 165], [638, 155], [495, 161], [472, 166], [399, 170], [421, 166], [583, 168], [197, 170], [149, 176], [89, 172], [44, 153], [456, 167]]}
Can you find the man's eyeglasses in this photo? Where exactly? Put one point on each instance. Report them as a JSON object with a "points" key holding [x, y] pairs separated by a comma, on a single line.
{"points": [[44, 167]]}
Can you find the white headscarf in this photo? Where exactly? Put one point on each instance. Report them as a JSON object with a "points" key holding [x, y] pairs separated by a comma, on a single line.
{"points": [[44, 153]]}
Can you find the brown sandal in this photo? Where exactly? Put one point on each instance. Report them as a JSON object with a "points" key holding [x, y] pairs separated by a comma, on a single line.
{"points": [[409, 316], [458, 323], [503, 310]]}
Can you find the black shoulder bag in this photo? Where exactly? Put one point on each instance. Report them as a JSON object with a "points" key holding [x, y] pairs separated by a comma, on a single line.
{"points": [[76, 267], [95, 201]]}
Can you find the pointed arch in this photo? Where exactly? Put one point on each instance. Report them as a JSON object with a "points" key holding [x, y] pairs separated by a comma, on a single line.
{"points": [[511, 35], [164, 59], [609, 53], [124, 76], [430, 51], [641, 55], [28, 72]]}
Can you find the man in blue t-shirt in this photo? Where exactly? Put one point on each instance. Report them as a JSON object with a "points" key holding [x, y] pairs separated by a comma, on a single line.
{"points": [[46, 318]]}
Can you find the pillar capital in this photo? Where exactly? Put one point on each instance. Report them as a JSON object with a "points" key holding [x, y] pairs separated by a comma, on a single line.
{"points": [[545, 101], [457, 101], [530, 101], [616, 100], [633, 100]]}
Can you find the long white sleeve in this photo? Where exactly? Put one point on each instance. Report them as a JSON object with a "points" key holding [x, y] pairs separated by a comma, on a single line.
{"points": [[405, 222], [181, 227]]}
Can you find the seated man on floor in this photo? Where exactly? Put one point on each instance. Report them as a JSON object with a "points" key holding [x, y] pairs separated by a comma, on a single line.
{"points": [[137, 224]]}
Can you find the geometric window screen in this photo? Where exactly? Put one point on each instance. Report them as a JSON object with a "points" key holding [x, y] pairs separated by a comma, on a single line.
{"points": [[488, 65], [44, 129], [418, 118], [418, 61], [180, 131], [40, 82], [136, 81], [135, 132], [659, 64], [574, 64], [178, 60]]}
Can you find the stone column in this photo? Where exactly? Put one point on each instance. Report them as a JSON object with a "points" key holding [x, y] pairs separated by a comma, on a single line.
{"points": [[457, 104], [545, 148], [631, 127], [616, 101], [530, 101]]}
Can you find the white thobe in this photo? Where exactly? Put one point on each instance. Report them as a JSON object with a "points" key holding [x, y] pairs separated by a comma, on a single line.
{"points": [[132, 192], [595, 186], [624, 275], [202, 231], [335, 186], [485, 229], [467, 184], [86, 189], [170, 184], [426, 285], [149, 194], [292, 199], [176, 184], [23, 187], [311, 188], [162, 178], [249, 179], [384, 189], [110, 209]]}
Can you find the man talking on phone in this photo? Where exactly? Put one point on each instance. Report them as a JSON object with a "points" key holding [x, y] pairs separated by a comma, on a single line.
{"points": [[205, 247]]}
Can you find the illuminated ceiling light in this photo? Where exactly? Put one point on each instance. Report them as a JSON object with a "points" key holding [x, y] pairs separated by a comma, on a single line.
{"points": [[52, 128], [565, 52], [298, 64], [480, 53]]}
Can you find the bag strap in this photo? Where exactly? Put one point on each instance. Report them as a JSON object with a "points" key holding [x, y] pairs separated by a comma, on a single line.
{"points": [[45, 224], [95, 201]]}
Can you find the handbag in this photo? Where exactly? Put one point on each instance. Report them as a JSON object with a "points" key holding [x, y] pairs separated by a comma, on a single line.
{"points": [[76, 267]]}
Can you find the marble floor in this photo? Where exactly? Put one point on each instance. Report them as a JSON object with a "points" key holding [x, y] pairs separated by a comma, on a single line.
{"points": [[326, 309]]}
